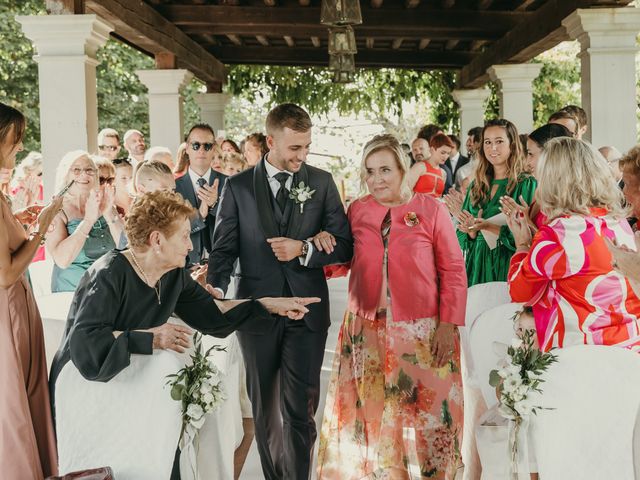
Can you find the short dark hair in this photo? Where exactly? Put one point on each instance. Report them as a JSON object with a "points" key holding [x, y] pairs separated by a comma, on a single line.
{"points": [[546, 132], [454, 138], [288, 115], [259, 140], [476, 133], [565, 114], [11, 120], [201, 126], [429, 131]]}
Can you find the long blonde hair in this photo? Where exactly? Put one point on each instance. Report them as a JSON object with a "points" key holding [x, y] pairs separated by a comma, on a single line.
{"points": [[484, 174], [391, 143], [573, 177]]}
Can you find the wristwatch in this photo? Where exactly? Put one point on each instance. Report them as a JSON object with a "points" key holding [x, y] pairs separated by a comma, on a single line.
{"points": [[305, 248]]}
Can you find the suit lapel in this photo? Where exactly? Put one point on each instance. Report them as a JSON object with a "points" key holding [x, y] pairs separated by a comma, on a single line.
{"points": [[295, 221], [263, 201], [190, 191]]}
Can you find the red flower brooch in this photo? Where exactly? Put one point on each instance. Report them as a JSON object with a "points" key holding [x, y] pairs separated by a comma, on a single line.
{"points": [[411, 219]]}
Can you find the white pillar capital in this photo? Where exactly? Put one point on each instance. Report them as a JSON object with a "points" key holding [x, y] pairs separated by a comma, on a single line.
{"points": [[608, 50], [164, 82], [166, 122], [472, 108], [66, 47], [65, 35], [516, 92], [212, 107]]}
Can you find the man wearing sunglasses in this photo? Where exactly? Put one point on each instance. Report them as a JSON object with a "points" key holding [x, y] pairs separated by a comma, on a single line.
{"points": [[201, 186], [108, 143], [260, 225]]}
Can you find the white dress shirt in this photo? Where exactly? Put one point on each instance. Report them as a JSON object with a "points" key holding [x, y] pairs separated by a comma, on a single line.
{"points": [[195, 177]]}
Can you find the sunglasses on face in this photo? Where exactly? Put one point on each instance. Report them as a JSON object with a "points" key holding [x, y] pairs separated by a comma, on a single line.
{"points": [[111, 148], [120, 161], [107, 180], [196, 146], [79, 171]]}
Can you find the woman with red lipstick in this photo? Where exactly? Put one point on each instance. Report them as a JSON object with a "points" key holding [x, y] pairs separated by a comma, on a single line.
{"points": [[485, 239], [88, 225]]}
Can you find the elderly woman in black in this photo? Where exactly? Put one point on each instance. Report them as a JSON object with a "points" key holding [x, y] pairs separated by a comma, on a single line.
{"points": [[123, 302]]}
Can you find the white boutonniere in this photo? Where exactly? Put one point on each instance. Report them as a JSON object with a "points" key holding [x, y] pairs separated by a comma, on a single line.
{"points": [[301, 195]]}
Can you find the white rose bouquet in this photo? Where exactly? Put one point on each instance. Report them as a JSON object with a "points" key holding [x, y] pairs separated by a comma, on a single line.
{"points": [[518, 377], [199, 388]]}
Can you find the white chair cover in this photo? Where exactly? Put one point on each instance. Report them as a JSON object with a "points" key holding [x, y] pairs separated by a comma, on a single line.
{"points": [[595, 394], [490, 329], [54, 308], [129, 423], [40, 275]]}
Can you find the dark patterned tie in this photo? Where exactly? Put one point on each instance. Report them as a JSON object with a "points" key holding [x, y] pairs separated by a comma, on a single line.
{"points": [[281, 196], [200, 182]]}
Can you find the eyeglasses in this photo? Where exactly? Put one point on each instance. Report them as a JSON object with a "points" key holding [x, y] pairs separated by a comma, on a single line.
{"points": [[111, 148], [107, 180], [121, 161], [79, 171], [196, 146]]}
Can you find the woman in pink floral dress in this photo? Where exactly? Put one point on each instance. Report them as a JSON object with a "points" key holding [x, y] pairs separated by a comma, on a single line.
{"points": [[394, 406]]}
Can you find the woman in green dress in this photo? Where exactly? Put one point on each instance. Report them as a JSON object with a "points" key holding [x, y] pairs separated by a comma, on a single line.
{"points": [[485, 239]]}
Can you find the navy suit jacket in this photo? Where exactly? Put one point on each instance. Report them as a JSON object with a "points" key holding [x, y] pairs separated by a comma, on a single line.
{"points": [[201, 228]]}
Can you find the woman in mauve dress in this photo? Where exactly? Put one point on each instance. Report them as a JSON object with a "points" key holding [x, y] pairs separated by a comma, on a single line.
{"points": [[27, 440]]}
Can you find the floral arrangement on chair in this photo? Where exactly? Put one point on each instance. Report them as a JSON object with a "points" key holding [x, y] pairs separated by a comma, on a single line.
{"points": [[199, 387], [516, 381]]}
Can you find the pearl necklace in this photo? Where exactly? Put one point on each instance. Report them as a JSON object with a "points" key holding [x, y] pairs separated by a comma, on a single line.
{"points": [[157, 287]]}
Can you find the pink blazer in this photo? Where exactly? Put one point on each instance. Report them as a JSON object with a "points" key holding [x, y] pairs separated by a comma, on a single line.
{"points": [[426, 271]]}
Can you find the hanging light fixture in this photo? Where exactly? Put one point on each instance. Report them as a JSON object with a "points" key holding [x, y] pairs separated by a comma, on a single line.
{"points": [[342, 63], [340, 12], [342, 40]]}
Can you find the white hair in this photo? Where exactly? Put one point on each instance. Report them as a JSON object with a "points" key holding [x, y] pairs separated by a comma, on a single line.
{"points": [[62, 173], [153, 151], [107, 132], [128, 134]]}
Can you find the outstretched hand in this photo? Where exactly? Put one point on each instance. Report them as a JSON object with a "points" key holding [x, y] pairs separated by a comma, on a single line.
{"points": [[294, 307]]}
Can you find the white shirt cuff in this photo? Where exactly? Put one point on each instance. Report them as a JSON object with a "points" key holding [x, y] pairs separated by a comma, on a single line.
{"points": [[305, 261]]}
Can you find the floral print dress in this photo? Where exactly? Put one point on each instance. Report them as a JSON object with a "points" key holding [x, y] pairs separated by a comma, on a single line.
{"points": [[389, 413]]}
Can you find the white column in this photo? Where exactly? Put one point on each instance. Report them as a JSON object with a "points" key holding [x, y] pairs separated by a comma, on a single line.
{"points": [[516, 92], [472, 108], [66, 48], [212, 107], [166, 121], [607, 39]]}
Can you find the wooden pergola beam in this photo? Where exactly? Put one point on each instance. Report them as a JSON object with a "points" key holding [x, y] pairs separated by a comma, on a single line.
{"points": [[320, 57], [431, 23], [142, 26], [541, 32]]}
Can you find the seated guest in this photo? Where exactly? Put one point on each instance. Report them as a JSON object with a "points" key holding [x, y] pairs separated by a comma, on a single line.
{"points": [[122, 305], [581, 116], [565, 271], [612, 155], [182, 161], [535, 144], [161, 154], [428, 176], [87, 224], [229, 146], [630, 166], [122, 184], [234, 163], [108, 143], [255, 147], [135, 146], [201, 186], [150, 176], [566, 119], [217, 162]]}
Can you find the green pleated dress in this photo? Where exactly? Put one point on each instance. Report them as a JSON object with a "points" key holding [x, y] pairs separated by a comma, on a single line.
{"points": [[483, 264]]}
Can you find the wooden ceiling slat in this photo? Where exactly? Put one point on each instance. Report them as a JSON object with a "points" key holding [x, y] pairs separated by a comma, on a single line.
{"points": [[376, 3], [262, 40], [270, 3], [235, 39], [448, 3], [451, 44], [316, 42], [543, 31], [289, 41], [424, 43], [397, 43], [304, 3], [525, 4], [411, 3], [369, 42], [141, 25], [320, 57]]}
